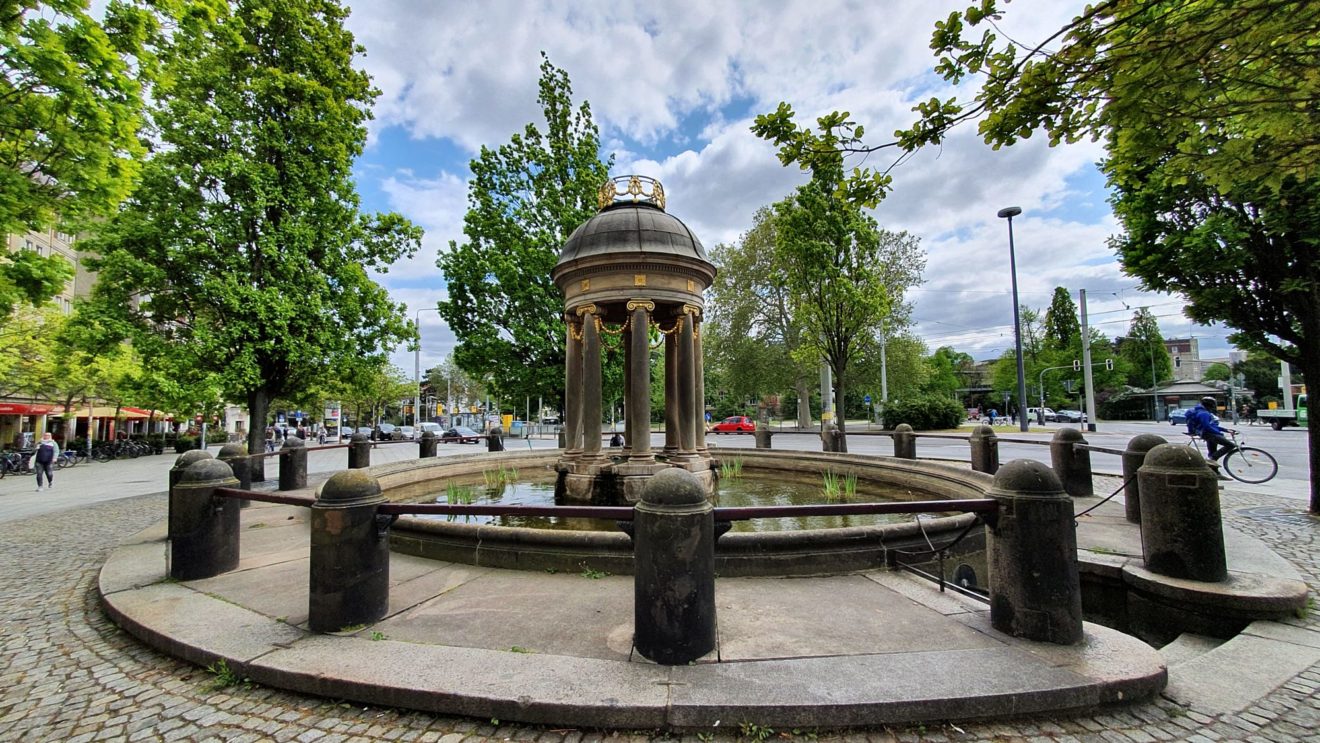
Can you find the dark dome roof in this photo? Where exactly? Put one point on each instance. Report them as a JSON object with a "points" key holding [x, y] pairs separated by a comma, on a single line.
{"points": [[632, 228]]}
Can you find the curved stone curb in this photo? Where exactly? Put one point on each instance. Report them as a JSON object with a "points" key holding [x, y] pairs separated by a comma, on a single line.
{"points": [[1007, 677]]}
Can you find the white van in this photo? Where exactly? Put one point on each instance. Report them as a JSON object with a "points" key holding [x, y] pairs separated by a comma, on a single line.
{"points": [[431, 426]]}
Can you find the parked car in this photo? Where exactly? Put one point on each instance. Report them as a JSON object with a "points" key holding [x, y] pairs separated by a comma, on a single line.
{"points": [[367, 431], [1178, 416], [1070, 416], [461, 435], [389, 432], [734, 424], [431, 426], [1050, 415], [407, 432]]}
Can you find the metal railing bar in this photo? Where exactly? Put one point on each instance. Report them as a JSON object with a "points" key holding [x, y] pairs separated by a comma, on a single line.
{"points": [[264, 497]]}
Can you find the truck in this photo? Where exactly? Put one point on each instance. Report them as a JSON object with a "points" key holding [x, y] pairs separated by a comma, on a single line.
{"points": [[1280, 418]]}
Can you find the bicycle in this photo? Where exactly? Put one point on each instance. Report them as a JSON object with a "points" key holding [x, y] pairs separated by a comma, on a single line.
{"points": [[70, 458], [1243, 463], [15, 463]]}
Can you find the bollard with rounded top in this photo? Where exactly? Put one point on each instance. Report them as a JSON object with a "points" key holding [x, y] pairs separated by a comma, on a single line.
{"points": [[495, 439], [203, 528], [350, 557], [359, 452], [1035, 590], [184, 460], [985, 450], [674, 557], [1133, 457], [905, 442], [293, 464], [235, 455], [427, 445], [762, 436], [1182, 535], [1071, 462]]}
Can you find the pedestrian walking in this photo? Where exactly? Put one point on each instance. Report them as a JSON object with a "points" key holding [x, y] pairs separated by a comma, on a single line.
{"points": [[44, 460]]}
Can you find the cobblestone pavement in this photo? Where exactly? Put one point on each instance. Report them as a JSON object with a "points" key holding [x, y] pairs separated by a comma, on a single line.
{"points": [[68, 674]]}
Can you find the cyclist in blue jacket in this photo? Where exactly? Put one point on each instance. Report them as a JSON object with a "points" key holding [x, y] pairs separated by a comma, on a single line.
{"points": [[1201, 421]]}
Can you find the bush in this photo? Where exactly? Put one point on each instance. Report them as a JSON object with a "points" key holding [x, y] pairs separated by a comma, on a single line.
{"points": [[185, 443], [925, 413]]}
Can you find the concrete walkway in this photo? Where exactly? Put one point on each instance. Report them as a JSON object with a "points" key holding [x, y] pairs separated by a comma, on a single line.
{"points": [[67, 674]]}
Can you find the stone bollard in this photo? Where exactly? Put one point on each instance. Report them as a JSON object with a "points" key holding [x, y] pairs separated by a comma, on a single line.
{"points": [[762, 436], [427, 445], [1071, 463], [182, 463], [905, 442], [563, 439], [359, 452], [674, 578], [1181, 532], [350, 557], [293, 464], [495, 439], [235, 455], [1035, 590], [1133, 457], [827, 439], [985, 449], [203, 528]]}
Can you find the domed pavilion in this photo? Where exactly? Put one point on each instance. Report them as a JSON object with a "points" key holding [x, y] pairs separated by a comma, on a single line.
{"points": [[631, 268]]}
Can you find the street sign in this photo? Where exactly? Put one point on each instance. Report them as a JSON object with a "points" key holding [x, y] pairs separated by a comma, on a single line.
{"points": [[868, 399]]}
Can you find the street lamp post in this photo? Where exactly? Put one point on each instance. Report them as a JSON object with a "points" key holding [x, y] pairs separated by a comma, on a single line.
{"points": [[417, 363], [1008, 213]]}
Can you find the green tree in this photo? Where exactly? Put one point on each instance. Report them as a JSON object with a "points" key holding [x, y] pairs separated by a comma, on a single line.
{"points": [[1207, 109], [524, 200], [1216, 372], [70, 108], [29, 278], [949, 372], [1061, 327], [1143, 349], [1260, 371], [243, 255], [753, 335]]}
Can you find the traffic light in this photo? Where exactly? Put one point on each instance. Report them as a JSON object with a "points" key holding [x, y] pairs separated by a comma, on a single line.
{"points": [[1109, 364], [1077, 365]]}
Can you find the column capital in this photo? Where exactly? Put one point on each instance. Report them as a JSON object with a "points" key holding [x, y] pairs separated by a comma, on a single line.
{"points": [[641, 304], [692, 309], [586, 309]]}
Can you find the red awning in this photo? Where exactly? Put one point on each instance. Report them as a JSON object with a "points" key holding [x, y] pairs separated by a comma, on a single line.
{"points": [[18, 408]]}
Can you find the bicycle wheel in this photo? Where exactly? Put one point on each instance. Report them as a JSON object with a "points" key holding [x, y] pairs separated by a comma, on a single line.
{"points": [[63, 461], [1250, 465]]}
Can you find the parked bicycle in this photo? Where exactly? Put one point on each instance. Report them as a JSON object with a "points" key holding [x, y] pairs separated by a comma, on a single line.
{"points": [[1244, 463], [70, 458], [15, 463]]}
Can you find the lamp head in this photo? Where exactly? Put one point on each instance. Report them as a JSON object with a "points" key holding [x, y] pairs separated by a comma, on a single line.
{"points": [[1010, 211]]}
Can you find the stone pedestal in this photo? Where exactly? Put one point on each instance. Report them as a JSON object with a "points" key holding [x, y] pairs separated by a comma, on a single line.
{"points": [[1071, 463], [293, 464], [350, 557], [203, 528], [1182, 533], [1133, 457]]}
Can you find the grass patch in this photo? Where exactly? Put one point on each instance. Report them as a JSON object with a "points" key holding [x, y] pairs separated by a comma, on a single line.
{"points": [[500, 477], [593, 574], [223, 677], [456, 495], [353, 628], [839, 488], [752, 731], [731, 468], [378, 636]]}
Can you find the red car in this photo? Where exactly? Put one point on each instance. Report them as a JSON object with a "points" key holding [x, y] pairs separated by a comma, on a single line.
{"points": [[734, 424]]}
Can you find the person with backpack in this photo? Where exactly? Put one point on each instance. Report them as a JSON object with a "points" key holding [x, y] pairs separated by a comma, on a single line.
{"points": [[1202, 422], [44, 460]]}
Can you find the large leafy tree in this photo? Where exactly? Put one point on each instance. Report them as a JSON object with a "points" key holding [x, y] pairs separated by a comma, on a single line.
{"points": [[27, 278], [70, 107], [1143, 349], [1061, 327], [524, 200], [1208, 109], [243, 256]]}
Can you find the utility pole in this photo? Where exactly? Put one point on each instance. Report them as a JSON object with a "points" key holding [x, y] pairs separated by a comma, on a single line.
{"points": [[1086, 365]]}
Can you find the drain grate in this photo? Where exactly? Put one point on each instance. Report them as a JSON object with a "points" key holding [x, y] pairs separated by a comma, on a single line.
{"points": [[1275, 513]]}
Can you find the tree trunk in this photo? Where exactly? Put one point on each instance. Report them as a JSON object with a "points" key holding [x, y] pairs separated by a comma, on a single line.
{"points": [[258, 408], [803, 403], [838, 400], [1311, 368]]}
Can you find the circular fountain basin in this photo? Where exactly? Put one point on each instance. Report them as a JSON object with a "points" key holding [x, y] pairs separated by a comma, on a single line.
{"points": [[760, 553]]}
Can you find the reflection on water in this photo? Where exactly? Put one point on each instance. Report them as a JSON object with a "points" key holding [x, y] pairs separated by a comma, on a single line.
{"points": [[745, 491]]}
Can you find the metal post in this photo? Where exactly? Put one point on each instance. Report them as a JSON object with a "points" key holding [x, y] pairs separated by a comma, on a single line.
{"points": [[1008, 213], [1086, 368], [417, 361]]}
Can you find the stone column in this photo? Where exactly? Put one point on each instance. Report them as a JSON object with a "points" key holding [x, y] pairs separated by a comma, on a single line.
{"points": [[1035, 589], [349, 571], [1182, 534], [639, 372], [235, 455], [359, 451], [628, 432], [671, 393], [687, 404], [699, 385], [293, 464], [905, 442], [985, 450], [573, 389], [1071, 463], [182, 462], [674, 579], [590, 387], [1133, 457], [203, 528]]}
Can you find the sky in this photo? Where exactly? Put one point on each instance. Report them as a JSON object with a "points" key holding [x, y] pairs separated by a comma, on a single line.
{"points": [[674, 87]]}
